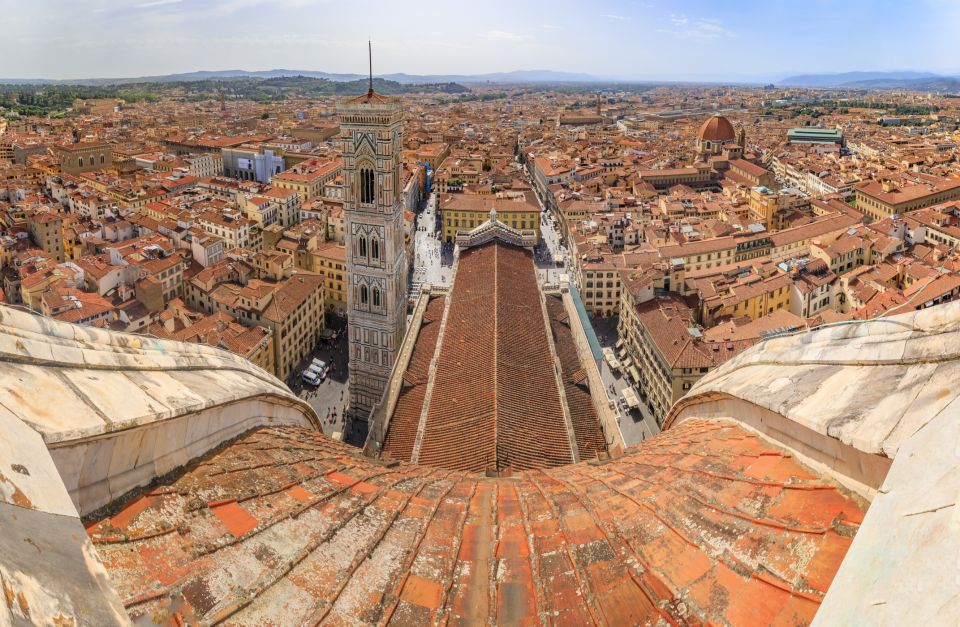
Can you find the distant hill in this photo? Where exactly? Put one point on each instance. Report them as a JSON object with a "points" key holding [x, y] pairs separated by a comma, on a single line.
{"points": [[849, 79], [201, 75], [518, 76], [45, 99], [949, 84]]}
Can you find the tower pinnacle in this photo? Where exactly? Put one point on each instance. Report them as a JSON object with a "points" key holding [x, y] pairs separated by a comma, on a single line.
{"points": [[370, 58]]}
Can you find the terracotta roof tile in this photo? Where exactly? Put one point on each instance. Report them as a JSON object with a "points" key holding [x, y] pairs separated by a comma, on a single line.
{"points": [[402, 431], [487, 410], [583, 415], [283, 523]]}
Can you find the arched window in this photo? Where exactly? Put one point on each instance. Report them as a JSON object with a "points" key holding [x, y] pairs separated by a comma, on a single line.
{"points": [[375, 248], [363, 246], [366, 186], [363, 295], [376, 297]]}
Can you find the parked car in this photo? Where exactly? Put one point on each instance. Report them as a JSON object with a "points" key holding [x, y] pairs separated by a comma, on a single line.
{"points": [[310, 377], [320, 367]]}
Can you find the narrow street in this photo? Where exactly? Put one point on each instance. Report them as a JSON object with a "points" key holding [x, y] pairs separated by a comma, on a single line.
{"points": [[329, 399], [638, 424], [548, 251], [428, 266]]}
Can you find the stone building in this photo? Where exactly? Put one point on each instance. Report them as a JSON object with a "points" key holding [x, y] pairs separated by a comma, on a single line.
{"points": [[372, 131], [84, 157], [46, 230]]}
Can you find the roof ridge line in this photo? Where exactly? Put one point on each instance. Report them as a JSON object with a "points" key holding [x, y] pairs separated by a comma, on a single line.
{"points": [[557, 368], [431, 376], [496, 355]]}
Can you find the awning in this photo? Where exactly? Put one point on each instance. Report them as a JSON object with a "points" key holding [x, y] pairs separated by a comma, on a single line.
{"points": [[634, 373], [628, 362], [622, 352], [631, 398], [619, 343]]}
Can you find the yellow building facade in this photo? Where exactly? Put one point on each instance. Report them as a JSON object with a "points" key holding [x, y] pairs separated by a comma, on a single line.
{"points": [[465, 213]]}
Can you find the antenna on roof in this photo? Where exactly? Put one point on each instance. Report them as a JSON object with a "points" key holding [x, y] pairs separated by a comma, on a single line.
{"points": [[370, 58]]}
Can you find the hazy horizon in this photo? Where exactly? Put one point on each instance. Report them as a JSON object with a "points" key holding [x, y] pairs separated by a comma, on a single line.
{"points": [[748, 41]]}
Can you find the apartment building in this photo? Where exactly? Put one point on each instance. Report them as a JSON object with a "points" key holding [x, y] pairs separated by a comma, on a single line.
{"points": [[84, 157], [882, 198], [236, 230], [463, 212], [292, 309], [667, 350], [309, 177]]}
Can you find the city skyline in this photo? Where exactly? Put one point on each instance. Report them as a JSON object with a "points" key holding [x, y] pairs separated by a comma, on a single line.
{"points": [[615, 40], [671, 342]]}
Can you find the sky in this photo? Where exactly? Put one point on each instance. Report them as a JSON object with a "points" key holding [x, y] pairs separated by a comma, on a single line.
{"points": [[720, 40]]}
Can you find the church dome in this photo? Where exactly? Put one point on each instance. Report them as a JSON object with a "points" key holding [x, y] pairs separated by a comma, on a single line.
{"points": [[717, 129]]}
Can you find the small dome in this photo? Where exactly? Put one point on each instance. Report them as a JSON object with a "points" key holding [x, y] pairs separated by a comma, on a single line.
{"points": [[717, 129]]}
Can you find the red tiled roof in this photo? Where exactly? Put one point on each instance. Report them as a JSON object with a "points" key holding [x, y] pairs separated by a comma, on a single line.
{"points": [[406, 415], [583, 415], [703, 523], [717, 128], [492, 406]]}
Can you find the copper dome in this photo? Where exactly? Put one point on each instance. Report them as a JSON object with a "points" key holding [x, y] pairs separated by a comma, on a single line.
{"points": [[717, 129]]}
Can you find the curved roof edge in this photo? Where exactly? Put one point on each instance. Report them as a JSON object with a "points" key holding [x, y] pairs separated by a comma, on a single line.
{"points": [[875, 403], [879, 380], [116, 410], [87, 415]]}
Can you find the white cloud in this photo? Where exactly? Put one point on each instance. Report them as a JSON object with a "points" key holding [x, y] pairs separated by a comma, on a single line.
{"points": [[619, 18], [550, 26], [155, 3], [502, 35], [704, 29]]}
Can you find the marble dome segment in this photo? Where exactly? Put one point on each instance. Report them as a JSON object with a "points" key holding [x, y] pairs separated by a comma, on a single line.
{"points": [[116, 410]]}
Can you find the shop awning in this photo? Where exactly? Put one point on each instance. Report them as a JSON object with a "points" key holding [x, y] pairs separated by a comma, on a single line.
{"points": [[634, 373], [631, 398], [628, 362], [619, 343]]}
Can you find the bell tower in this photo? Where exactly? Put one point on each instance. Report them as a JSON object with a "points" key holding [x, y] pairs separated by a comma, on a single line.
{"points": [[372, 135]]}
